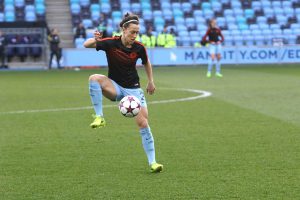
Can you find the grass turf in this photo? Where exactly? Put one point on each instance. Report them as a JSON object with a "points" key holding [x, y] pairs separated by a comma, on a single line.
{"points": [[240, 143]]}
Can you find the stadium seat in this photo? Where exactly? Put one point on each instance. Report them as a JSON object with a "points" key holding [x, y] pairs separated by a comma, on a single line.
{"points": [[147, 15], [249, 13], [200, 20], [165, 5], [181, 27], [40, 9], [186, 7], [201, 27], [235, 32], [216, 6], [95, 16], [238, 40], [266, 4], [228, 41], [2, 17], [87, 23], [277, 33], [19, 3], [9, 8], [136, 8], [264, 26], [9, 16], [274, 26], [281, 19], [286, 4], [79, 42], [228, 12], [95, 8], [208, 14], [190, 22], [249, 40], [105, 8], [30, 17], [221, 21], [236, 4], [245, 32], [276, 4], [177, 13], [256, 5], [261, 20], [75, 8], [157, 13], [206, 6], [268, 12], [289, 12], [259, 40]]}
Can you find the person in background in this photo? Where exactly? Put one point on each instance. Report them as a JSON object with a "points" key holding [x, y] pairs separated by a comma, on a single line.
{"points": [[80, 32], [161, 38], [2, 49], [148, 39], [54, 41], [214, 33], [171, 39]]}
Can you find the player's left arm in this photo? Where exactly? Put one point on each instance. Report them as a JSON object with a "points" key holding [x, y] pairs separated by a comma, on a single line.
{"points": [[150, 86]]}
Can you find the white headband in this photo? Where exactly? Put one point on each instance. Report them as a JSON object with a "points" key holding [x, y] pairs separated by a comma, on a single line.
{"points": [[133, 20]]}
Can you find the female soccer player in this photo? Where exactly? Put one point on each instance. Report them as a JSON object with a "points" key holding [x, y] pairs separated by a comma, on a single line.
{"points": [[213, 33], [122, 53]]}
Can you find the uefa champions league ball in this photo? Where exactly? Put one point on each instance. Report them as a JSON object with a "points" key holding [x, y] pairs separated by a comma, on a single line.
{"points": [[130, 106]]}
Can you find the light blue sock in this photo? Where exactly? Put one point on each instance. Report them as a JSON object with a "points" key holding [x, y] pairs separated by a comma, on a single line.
{"points": [[210, 65], [148, 144], [218, 67], [96, 97]]}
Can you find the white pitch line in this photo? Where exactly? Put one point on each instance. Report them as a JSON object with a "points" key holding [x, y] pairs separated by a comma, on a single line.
{"points": [[202, 94]]}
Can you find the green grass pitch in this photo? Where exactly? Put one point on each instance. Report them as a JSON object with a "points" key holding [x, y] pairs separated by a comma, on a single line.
{"points": [[243, 142]]}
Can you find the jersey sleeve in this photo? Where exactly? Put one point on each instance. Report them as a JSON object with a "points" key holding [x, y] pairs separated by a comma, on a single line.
{"points": [[221, 35], [102, 45], [144, 55], [206, 34]]}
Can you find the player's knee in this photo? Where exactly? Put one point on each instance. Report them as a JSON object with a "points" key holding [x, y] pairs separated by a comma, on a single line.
{"points": [[143, 123], [96, 77]]}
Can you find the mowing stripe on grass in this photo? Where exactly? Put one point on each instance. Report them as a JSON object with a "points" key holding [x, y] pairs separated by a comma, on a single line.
{"points": [[201, 94]]}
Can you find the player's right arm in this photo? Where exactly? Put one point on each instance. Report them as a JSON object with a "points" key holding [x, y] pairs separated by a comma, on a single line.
{"points": [[92, 42]]}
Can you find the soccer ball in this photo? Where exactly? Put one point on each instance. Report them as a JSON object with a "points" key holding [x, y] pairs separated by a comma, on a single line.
{"points": [[130, 106]]}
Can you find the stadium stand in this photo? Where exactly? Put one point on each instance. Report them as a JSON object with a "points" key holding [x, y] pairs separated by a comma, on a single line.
{"points": [[243, 22]]}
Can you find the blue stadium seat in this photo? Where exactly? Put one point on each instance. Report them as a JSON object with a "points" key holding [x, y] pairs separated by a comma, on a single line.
{"points": [[287, 32], [40, 9], [177, 13], [295, 26], [241, 20], [297, 11], [195, 34], [186, 7], [228, 41], [95, 16], [292, 39], [198, 13], [9, 8], [249, 13], [6, 2], [190, 22], [146, 6], [256, 5], [136, 8], [79, 42], [19, 3], [266, 4], [39, 2], [253, 26], [84, 3], [232, 27], [236, 4], [147, 15], [179, 20], [159, 21], [281, 19], [105, 8], [185, 41], [264, 26], [125, 6], [243, 26], [259, 40], [238, 40], [87, 23], [226, 33], [168, 15], [261, 19], [276, 4], [296, 31], [221, 21], [230, 20], [9, 16], [2, 17], [248, 40], [256, 32], [289, 12], [277, 32], [183, 33], [216, 6], [95, 8], [116, 14], [157, 13], [245, 32], [165, 5], [228, 12], [238, 12], [75, 8], [206, 6], [74, 1], [287, 4], [181, 27], [269, 12], [195, 2], [200, 20], [235, 32], [176, 5], [201, 27], [268, 36], [208, 14], [30, 17], [278, 11]]}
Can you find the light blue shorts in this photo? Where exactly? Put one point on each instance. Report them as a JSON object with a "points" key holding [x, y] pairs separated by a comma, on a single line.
{"points": [[137, 92], [215, 48]]}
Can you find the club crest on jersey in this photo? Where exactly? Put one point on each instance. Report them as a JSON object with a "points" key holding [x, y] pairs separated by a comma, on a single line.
{"points": [[133, 55]]}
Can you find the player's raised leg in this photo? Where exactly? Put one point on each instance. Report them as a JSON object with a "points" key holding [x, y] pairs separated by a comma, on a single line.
{"points": [[98, 85], [147, 139]]}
